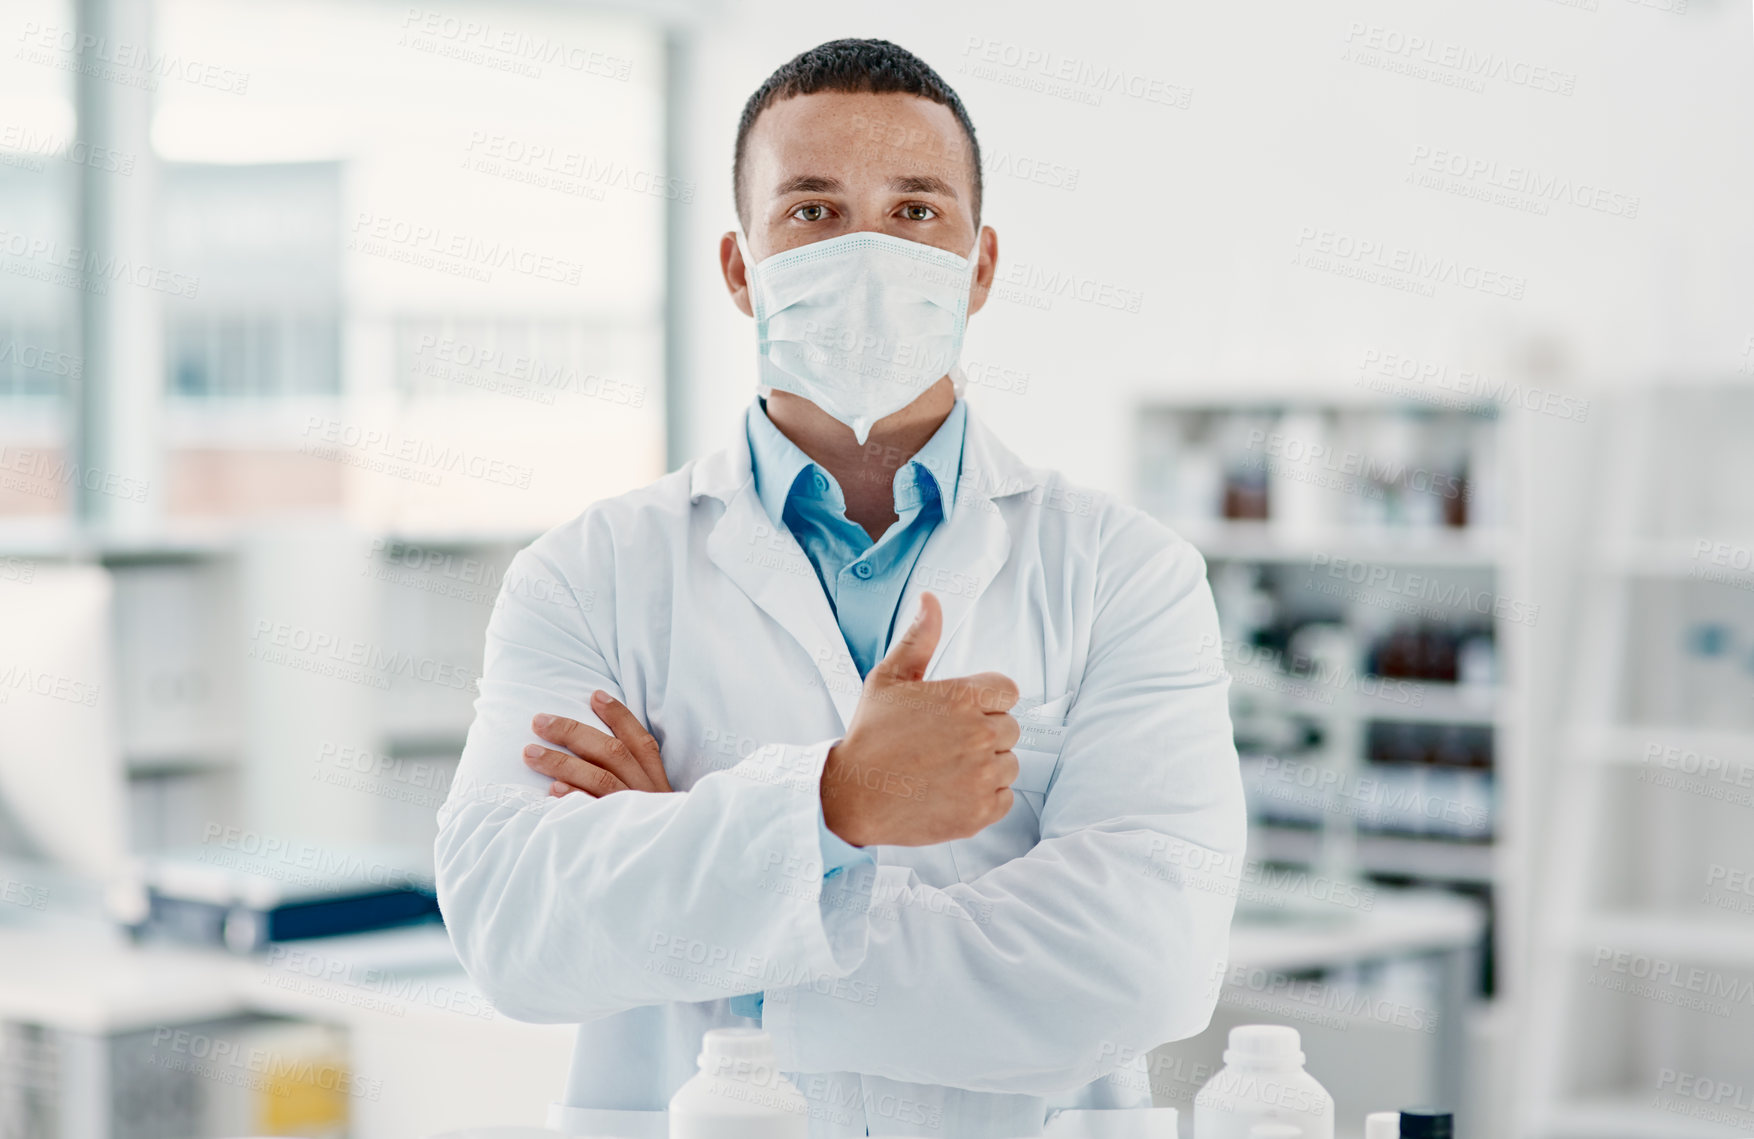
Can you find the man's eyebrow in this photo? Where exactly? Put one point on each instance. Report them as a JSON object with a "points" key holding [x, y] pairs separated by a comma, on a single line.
{"points": [[922, 184], [902, 183], [808, 184]]}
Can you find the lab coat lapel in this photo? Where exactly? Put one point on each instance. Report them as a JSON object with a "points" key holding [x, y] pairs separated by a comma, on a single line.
{"points": [[970, 546], [766, 562]]}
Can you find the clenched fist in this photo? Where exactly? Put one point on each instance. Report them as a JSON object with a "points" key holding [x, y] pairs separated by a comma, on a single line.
{"points": [[923, 762]]}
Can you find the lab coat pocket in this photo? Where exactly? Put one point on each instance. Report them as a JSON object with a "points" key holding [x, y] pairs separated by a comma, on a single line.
{"points": [[1035, 770], [1043, 725]]}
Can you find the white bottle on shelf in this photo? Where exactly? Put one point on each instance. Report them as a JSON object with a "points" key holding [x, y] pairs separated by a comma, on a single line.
{"points": [[1485, 492], [1366, 500], [1299, 474], [1199, 485], [1477, 663], [1262, 1081], [738, 1092]]}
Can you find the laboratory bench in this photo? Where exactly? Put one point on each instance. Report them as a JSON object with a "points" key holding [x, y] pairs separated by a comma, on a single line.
{"points": [[428, 1055]]}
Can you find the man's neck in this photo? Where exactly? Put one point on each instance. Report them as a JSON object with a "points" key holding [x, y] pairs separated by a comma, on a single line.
{"points": [[866, 474]]}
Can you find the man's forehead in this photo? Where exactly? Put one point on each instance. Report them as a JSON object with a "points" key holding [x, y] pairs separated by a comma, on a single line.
{"points": [[909, 136]]}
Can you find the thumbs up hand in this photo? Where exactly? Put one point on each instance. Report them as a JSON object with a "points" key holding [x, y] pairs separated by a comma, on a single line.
{"points": [[923, 762]]}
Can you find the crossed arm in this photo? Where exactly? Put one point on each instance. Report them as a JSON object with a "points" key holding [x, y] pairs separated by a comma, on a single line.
{"points": [[594, 762], [1107, 941], [954, 736]]}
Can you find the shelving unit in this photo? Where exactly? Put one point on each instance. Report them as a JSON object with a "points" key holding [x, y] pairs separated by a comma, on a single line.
{"points": [[1658, 767], [1631, 744], [1330, 479], [210, 734], [1260, 542], [1381, 855]]}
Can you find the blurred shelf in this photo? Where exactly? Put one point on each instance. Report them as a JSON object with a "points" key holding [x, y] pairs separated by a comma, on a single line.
{"points": [[1375, 698], [1680, 937], [1438, 859], [1633, 743], [91, 979], [1632, 1117], [1430, 702], [148, 764], [448, 538], [1264, 542], [1400, 923], [1683, 558], [434, 742], [61, 540], [1274, 683], [1342, 392]]}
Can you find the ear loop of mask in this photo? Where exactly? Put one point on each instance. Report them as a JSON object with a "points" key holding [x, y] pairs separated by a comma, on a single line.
{"points": [[958, 377], [765, 391]]}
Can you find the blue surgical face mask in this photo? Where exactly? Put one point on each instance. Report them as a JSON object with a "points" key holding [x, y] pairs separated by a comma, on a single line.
{"points": [[859, 324]]}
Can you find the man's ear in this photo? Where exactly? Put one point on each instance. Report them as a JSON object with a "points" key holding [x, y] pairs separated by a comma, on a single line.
{"points": [[736, 273], [987, 251]]}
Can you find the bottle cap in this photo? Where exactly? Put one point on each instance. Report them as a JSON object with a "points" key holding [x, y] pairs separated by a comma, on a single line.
{"points": [[1427, 1123], [735, 1049], [1264, 1044], [1382, 1125]]}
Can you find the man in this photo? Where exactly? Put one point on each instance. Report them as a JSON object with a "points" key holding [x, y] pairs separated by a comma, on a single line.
{"points": [[861, 730]]}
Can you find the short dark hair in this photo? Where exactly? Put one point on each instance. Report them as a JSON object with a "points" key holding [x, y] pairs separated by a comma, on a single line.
{"points": [[873, 67]]}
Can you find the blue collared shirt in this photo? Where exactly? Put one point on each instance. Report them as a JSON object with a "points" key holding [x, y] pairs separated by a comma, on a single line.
{"points": [[863, 579]]}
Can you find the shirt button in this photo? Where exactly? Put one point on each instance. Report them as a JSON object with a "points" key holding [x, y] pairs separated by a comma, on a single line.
{"points": [[862, 570]]}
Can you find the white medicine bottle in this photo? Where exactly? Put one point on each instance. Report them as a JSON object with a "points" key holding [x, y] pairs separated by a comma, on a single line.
{"points": [[1262, 1081], [738, 1092]]}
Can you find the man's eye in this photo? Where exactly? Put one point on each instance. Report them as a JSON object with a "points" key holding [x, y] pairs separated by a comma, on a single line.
{"points": [[918, 212], [810, 213]]}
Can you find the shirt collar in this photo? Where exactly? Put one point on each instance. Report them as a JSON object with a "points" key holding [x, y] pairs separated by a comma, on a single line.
{"points": [[940, 460], [778, 463]]}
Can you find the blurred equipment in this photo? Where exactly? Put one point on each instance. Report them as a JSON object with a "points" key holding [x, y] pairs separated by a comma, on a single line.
{"points": [[245, 1075], [245, 901]]}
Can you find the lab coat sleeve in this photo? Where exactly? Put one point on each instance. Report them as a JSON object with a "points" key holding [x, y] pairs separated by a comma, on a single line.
{"points": [[837, 852], [1105, 940], [574, 908]]}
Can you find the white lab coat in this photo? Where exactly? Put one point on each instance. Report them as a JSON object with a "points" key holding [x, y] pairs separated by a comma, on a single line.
{"points": [[963, 989]]}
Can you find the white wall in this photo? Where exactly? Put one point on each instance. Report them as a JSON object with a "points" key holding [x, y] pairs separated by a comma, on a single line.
{"points": [[1201, 208]]}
